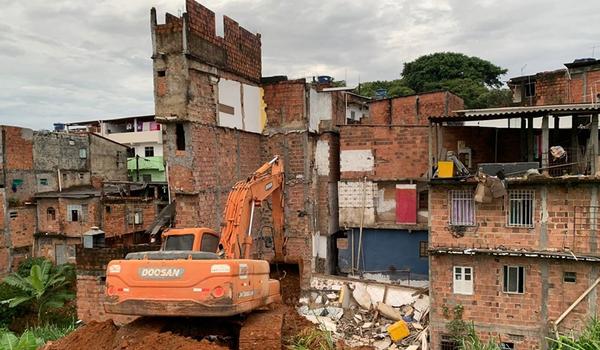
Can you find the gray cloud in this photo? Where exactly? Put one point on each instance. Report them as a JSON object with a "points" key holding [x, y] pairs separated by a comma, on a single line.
{"points": [[70, 60]]}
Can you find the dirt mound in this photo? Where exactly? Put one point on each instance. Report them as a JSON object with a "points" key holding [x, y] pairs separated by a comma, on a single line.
{"points": [[138, 335], [92, 336]]}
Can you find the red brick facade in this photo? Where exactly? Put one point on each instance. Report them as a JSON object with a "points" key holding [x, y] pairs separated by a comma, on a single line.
{"points": [[578, 83]]}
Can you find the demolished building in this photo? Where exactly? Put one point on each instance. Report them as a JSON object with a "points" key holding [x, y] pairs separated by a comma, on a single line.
{"points": [[513, 243], [383, 190]]}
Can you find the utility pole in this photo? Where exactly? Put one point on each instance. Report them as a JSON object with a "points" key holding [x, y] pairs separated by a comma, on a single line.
{"points": [[137, 168]]}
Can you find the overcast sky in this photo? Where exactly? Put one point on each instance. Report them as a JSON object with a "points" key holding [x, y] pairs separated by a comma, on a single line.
{"points": [[68, 60]]}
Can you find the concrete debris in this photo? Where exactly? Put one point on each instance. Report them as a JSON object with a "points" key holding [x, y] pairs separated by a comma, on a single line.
{"points": [[357, 314], [362, 297], [389, 312]]}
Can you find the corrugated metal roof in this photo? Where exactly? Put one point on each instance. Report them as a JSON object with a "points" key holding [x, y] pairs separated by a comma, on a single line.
{"points": [[516, 112]]}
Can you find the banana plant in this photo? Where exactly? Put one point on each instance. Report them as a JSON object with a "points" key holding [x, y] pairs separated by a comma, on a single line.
{"points": [[27, 341], [44, 288]]}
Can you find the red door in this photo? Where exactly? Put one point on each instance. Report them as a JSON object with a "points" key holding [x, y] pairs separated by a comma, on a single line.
{"points": [[406, 204]]}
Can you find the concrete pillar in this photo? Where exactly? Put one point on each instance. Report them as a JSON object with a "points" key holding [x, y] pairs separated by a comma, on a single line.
{"points": [[545, 143], [530, 155], [594, 143]]}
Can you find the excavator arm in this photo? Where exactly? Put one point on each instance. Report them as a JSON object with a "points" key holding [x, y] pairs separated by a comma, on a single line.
{"points": [[236, 234]]}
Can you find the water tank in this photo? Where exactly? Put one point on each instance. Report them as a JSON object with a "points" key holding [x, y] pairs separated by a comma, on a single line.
{"points": [[324, 79], [59, 126]]}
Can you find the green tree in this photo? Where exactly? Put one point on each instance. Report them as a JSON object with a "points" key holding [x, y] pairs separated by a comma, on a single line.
{"points": [[27, 341], [393, 88], [44, 288], [472, 78]]}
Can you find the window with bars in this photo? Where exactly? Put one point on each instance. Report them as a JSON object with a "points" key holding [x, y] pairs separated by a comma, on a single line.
{"points": [[520, 208], [462, 208]]}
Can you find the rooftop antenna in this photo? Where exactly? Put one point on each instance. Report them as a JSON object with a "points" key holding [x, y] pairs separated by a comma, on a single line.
{"points": [[523, 68]]}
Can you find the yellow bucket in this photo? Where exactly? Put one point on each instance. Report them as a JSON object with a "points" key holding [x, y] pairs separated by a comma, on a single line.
{"points": [[445, 169], [398, 330]]}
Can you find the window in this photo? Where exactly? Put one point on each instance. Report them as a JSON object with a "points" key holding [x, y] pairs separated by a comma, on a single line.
{"points": [[130, 152], [520, 208], [108, 209], [149, 151], [137, 217], [161, 73], [463, 280], [423, 200], [147, 177], [530, 89], [13, 214], [44, 182], [74, 212], [514, 278], [462, 208], [51, 214], [83, 153], [180, 137], [507, 346], [179, 242], [81, 176], [570, 277], [209, 243], [423, 253], [119, 161], [448, 343]]}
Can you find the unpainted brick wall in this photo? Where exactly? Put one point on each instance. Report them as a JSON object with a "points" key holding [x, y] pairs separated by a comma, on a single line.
{"points": [[91, 273], [91, 217], [556, 223], [22, 226], [518, 318], [390, 147], [286, 103], [560, 87], [117, 220], [202, 176], [414, 109]]}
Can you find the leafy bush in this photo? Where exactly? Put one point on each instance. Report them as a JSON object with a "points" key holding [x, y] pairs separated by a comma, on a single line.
{"points": [[46, 287], [8, 314], [27, 341], [589, 339]]}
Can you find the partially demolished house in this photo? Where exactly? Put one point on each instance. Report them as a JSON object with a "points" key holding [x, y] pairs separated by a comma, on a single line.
{"points": [[514, 212], [383, 206], [221, 120]]}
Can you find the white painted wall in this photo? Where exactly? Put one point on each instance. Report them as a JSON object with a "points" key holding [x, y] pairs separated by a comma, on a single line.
{"points": [[230, 94], [358, 112], [140, 149], [320, 108], [357, 160], [233, 93], [322, 157], [319, 246]]}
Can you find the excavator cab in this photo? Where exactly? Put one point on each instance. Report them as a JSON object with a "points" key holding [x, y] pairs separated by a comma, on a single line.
{"points": [[194, 239]]}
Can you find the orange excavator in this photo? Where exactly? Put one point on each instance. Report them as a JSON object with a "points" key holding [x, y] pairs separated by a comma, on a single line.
{"points": [[199, 272]]}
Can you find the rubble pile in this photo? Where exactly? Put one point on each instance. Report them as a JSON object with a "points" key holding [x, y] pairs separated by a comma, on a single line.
{"points": [[360, 316]]}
